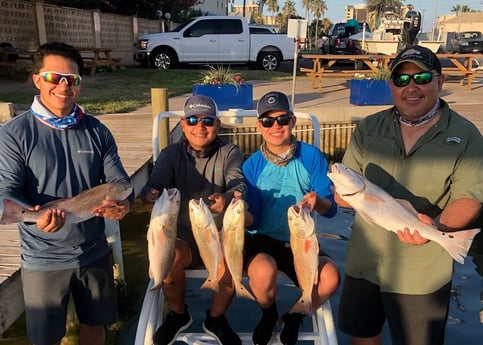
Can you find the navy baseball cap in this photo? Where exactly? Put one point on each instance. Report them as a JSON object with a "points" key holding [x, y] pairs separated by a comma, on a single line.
{"points": [[273, 101], [200, 105], [422, 57]]}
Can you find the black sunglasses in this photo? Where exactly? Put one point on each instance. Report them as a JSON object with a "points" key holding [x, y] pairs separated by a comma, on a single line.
{"points": [[422, 78], [206, 121], [282, 120]]}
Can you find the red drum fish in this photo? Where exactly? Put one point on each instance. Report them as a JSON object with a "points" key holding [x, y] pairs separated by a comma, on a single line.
{"points": [[233, 239], [77, 209], [376, 206], [207, 239], [305, 249], [161, 235]]}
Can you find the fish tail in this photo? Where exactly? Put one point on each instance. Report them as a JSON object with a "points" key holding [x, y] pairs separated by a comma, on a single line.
{"points": [[157, 286], [12, 212], [302, 306], [210, 284], [458, 243], [242, 291]]}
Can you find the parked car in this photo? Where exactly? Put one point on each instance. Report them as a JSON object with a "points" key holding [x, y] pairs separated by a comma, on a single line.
{"points": [[467, 42], [338, 41], [214, 40]]}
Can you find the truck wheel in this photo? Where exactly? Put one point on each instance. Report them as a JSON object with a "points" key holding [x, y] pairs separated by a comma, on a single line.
{"points": [[162, 59], [269, 61]]}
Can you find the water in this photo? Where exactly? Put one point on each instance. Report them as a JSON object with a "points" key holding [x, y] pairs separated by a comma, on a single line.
{"points": [[465, 323]]}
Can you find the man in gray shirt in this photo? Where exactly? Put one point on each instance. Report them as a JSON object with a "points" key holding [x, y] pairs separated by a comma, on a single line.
{"points": [[200, 166]]}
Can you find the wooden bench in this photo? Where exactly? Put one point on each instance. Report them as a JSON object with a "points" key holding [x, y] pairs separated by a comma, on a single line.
{"points": [[10, 67], [91, 64], [315, 77], [454, 71]]}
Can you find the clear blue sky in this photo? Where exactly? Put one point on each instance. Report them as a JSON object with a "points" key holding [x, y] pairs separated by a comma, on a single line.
{"points": [[335, 8]]}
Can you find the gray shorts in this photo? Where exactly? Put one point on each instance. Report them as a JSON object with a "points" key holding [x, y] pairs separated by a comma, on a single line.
{"points": [[46, 295], [412, 319]]}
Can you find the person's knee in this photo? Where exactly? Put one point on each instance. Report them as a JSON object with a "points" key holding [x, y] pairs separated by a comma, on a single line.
{"points": [[262, 272], [329, 277]]}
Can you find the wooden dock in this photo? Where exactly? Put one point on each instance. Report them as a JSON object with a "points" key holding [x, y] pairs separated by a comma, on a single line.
{"points": [[133, 136]]}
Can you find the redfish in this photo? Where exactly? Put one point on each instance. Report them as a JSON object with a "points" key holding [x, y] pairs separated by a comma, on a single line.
{"points": [[376, 206], [77, 209], [305, 250], [233, 239], [207, 239], [161, 235]]}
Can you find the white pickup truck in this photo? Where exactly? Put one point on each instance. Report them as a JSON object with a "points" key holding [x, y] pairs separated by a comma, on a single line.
{"points": [[214, 39]]}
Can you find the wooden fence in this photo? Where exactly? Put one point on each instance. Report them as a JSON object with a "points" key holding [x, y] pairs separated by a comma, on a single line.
{"points": [[334, 137]]}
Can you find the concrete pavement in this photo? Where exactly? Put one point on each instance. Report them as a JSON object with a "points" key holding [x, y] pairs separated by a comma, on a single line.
{"points": [[332, 104]]}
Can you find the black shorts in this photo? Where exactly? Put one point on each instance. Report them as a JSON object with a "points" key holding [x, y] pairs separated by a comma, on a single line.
{"points": [[412, 319], [46, 296], [279, 250], [188, 237]]}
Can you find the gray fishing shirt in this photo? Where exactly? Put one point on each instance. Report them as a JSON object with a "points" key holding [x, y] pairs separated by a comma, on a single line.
{"points": [[38, 164], [198, 177]]}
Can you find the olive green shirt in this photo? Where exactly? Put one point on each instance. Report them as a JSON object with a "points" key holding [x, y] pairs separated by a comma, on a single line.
{"points": [[445, 164]]}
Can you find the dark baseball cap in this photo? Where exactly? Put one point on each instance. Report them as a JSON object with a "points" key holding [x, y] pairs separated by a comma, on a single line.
{"points": [[422, 57], [200, 105], [273, 101]]}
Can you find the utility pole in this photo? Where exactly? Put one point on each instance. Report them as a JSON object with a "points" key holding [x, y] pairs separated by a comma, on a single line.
{"points": [[435, 19]]}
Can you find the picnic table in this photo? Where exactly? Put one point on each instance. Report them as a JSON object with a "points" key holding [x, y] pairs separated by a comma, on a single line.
{"points": [[323, 65], [98, 57], [460, 65], [11, 59]]}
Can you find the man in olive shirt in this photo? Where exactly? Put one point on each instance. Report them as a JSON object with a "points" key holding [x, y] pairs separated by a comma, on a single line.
{"points": [[423, 152]]}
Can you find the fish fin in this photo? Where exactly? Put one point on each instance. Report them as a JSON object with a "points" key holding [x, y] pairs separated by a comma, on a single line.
{"points": [[407, 205], [458, 243], [12, 212], [307, 246], [367, 218], [150, 272], [242, 291], [210, 284], [156, 287]]}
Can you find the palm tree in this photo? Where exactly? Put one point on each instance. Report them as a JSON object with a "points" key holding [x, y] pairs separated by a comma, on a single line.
{"points": [[380, 6], [288, 11], [461, 8], [261, 3], [307, 4], [318, 7], [272, 7]]}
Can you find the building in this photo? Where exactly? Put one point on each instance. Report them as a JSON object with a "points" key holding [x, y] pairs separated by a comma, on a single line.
{"points": [[466, 21], [213, 7], [251, 9], [358, 12]]}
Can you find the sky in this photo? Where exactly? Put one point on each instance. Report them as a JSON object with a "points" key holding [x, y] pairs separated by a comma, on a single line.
{"points": [[335, 8]]}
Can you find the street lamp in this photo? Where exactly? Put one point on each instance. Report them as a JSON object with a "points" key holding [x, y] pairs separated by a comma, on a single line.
{"points": [[167, 16]]}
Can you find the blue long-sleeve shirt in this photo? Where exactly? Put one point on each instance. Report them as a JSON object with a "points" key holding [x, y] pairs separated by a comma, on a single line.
{"points": [[273, 189], [39, 164]]}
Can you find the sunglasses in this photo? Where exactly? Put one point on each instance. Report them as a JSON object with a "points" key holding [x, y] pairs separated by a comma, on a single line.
{"points": [[57, 78], [282, 120], [206, 121], [422, 78]]}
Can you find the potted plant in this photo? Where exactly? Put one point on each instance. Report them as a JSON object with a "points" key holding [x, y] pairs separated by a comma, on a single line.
{"points": [[372, 89], [226, 87]]}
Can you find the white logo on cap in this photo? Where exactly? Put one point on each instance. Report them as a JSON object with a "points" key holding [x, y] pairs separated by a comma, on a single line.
{"points": [[411, 52], [199, 105], [271, 100]]}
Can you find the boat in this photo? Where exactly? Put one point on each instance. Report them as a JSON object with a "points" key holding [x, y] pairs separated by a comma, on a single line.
{"points": [[387, 37], [323, 331]]}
